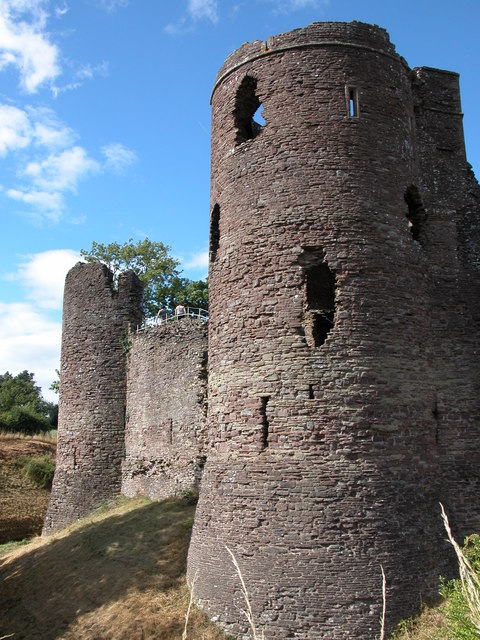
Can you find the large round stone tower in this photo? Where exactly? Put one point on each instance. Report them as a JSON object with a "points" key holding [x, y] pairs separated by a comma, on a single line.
{"points": [[325, 394], [91, 422]]}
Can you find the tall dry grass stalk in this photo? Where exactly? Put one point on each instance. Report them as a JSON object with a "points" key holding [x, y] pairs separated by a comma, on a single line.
{"points": [[468, 577], [384, 608], [190, 602], [248, 612]]}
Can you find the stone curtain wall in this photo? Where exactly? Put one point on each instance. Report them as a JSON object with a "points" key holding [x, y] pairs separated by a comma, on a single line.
{"points": [[330, 412], [91, 426], [166, 409]]}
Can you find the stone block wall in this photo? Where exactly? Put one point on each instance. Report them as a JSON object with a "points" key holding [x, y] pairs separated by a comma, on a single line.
{"points": [[335, 253], [166, 409], [452, 199], [91, 423]]}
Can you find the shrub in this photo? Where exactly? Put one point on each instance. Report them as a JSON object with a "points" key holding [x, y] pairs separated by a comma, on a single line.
{"points": [[40, 471]]}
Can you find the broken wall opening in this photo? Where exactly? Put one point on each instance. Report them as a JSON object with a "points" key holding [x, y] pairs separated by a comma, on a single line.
{"points": [[416, 214], [319, 296], [248, 111]]}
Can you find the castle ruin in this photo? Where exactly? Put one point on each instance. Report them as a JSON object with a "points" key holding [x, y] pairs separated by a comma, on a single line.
{"points": [[343, 375]]}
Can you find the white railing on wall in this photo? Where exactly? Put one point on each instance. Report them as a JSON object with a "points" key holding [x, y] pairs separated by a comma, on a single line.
{"points": [[189, 313]]}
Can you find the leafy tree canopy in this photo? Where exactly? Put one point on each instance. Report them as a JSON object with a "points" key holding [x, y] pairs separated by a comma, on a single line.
{"points": [[22, 407], [156, 268]]}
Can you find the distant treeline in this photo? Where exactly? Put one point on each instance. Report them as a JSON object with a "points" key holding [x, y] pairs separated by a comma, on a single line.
{"points": [[22, 407]]}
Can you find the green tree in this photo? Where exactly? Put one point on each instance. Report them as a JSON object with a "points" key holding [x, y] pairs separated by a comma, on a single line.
{"points": [[156, 268], [193, 293], [22, 407]]}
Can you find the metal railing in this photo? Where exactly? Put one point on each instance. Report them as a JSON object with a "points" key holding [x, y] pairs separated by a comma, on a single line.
{"points": [[190, 313]]}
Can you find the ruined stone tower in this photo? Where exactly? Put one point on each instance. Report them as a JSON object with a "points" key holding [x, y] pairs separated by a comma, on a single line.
{"points": [[91, 433], [343, 373]]}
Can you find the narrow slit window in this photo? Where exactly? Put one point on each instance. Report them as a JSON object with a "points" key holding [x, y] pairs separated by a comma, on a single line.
{"points": [[352, 100], [265, 425], [214, 233]]}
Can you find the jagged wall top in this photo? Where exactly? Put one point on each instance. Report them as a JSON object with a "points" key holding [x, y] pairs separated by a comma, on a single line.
{"points": [[317, 34]]}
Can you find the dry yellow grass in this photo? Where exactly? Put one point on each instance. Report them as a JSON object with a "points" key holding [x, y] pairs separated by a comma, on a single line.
{"points": [[118, 575], [431, 624], [22, 504]]}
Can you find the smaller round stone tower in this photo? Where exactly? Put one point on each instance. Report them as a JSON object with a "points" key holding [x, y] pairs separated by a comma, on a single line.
{"points": [[91, 426]]}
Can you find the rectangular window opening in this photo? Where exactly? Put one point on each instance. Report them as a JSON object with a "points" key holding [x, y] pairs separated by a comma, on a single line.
{"points": [[352, 94]]}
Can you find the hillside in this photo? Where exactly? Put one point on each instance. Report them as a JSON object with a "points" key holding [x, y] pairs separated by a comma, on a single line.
{"points": [[117, 575], [22, 504]]}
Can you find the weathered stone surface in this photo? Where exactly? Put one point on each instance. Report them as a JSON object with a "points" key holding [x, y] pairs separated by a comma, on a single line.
{"points": [[344, 308], [91, 423], [166, 409]]}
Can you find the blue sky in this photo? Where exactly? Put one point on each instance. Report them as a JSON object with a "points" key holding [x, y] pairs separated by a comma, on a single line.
{"points": [[105, 129]]}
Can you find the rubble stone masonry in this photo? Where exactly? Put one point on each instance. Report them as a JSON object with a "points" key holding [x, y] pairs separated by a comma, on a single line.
{"points": [[166, 409], [343, 336]]}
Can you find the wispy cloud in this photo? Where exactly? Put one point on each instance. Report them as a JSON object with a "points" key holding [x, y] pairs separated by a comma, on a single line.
{"points": [[198, 9], [25, 45], [48, 180], [197, 261], [86, 72], [195, 10], [118, 158], [61, 10], [111, 5], [287, 6]]}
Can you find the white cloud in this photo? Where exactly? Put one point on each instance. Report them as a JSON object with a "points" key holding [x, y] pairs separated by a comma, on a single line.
{"points": [[197, 261], [15, 129], [30, 340], [61, 172], [25, 44], [21, 127], [199, 9], [42, 275], [30, 336], [118, 158]]}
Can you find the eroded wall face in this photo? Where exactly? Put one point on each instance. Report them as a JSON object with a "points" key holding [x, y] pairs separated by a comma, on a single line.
{"points": [[91, 424], [166, 410], [323, 377]]}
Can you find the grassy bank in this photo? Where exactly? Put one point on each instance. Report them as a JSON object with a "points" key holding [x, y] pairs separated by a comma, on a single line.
{"points": [[23, 503], [118, 575]]}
